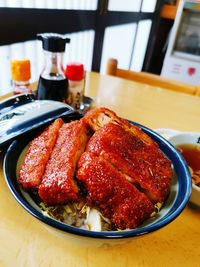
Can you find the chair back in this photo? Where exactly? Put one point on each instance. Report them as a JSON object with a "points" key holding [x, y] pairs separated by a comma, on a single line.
{"points": [[148, 78]]}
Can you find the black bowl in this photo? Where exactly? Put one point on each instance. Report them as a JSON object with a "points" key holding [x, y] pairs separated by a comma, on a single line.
{"points": [[177, 200]]}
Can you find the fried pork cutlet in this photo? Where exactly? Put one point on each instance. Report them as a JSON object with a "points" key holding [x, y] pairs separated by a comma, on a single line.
{"points": [[112, 194], [144, 165], [37, 156], [122, 169], [58, 185], [97, 118]]}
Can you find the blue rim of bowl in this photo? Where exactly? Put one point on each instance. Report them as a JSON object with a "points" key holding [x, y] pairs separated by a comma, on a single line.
{"points": [[181, 169]]}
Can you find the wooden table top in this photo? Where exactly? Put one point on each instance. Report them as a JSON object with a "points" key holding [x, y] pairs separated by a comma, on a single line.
{"points": [[26, 242]]}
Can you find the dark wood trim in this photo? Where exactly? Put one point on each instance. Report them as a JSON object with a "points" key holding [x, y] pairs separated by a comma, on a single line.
{"points": [[160, 46], [99, 34], [22, 24], [152, 37]]}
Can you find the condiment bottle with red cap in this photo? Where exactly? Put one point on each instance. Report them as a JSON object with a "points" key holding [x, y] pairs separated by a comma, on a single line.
{"points": [[75, 75]]}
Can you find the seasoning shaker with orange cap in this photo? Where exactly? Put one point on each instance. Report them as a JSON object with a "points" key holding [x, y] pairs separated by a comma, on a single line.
{"points": [[75, 74], [21, 74]]}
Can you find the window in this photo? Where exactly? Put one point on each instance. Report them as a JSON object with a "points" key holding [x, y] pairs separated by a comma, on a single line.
{"points": [[92, 25]]}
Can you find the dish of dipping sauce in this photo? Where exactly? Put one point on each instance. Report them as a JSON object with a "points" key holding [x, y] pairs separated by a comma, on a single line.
{"points": [[191, 153]]}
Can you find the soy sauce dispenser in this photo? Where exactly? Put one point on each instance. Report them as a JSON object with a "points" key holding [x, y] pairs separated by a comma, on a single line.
{"points": [[53, 83]]}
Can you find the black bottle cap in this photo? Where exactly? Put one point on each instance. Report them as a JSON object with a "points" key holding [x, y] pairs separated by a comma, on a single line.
{"points": [[53, 42]]}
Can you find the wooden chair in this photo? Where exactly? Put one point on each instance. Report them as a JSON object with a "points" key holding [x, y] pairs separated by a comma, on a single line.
{"points": [[197, 93], [148, 78]]}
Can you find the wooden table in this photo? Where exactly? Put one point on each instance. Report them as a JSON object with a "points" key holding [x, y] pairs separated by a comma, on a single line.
{"points": [[25, 242]]}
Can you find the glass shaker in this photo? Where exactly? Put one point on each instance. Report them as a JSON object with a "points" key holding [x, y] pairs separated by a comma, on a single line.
{"points": [[21, 74], [75, 74], [53, 83]]}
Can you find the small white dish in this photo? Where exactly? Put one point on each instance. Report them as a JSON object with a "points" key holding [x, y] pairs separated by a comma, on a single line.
{"points": [[166, 132], [188, 138]]}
